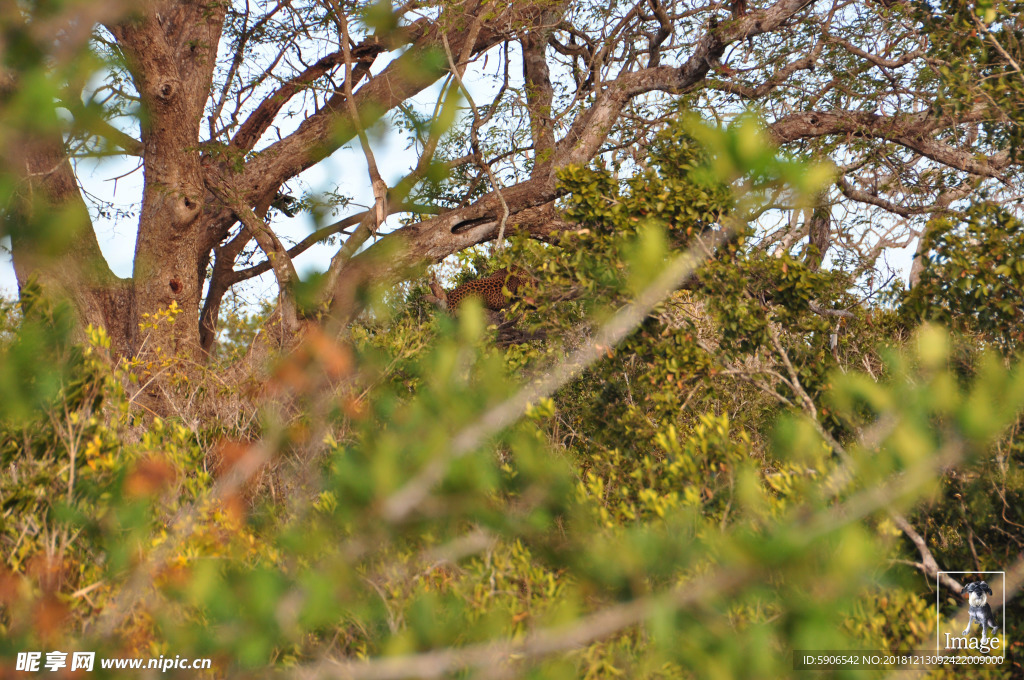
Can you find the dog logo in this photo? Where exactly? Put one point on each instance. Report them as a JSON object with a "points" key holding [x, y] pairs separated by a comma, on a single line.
{"points": [[982, 606], [980, 610]]}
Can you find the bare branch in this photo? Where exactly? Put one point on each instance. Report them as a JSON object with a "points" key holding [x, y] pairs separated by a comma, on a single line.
{"points": [[238, 58], [778, 78], [882, 62], [490, 656], [277, 256], [259, 121], [928, 565], [322, 233], [914, 131], [380, 187], [864, 197], [404, 77]]}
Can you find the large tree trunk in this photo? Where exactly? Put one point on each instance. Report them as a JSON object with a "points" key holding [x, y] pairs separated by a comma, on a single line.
{"points": [[54, 245], [171, 52]]}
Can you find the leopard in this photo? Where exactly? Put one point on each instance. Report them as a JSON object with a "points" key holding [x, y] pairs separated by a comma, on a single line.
{"points": [[496, 291]]}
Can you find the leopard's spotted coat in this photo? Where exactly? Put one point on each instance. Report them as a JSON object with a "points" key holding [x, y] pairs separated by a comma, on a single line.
{"points": [[491, 289]]}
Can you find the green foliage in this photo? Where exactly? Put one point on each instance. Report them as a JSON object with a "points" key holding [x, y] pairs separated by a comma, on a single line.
{"points": [[973, 279], [976, 45], [708, 495], [37, 359]]}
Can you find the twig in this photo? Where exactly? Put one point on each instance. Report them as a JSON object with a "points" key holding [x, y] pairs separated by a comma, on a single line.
{"points": [[489, 655], [380, 187], [82, 592], [818, 309]]}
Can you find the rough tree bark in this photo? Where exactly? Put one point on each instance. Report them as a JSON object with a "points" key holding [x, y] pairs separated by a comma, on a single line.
{"points": [[69, 263], [171, 49]]}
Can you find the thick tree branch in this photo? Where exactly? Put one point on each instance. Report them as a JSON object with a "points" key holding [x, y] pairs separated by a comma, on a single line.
{"points": [[590, 129], [664, 31], [875, 59], [71, 266], [318, 136], [928, 565], [380, 188], [221, 281], [917, 132], [277, 255], [435, 239], [860, 196], [539, 98]]}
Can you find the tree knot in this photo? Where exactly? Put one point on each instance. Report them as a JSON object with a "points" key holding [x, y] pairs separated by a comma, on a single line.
{"points": [[165, 89]]}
